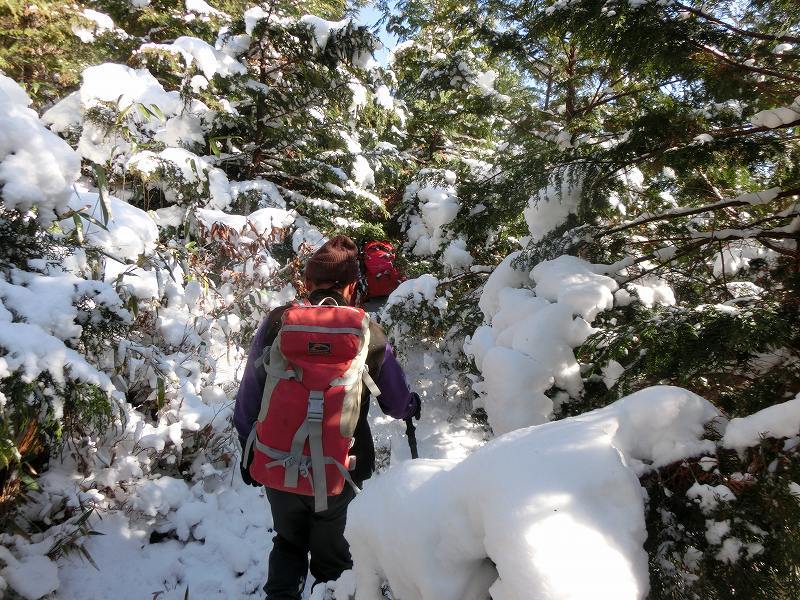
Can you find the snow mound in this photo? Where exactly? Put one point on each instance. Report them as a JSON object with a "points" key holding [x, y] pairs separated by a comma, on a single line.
{"points": [[778, 421], [32, 577], [576, 283], [164, 167], [37, 168], [437, 207], [527, 346], [209, 60], [128, 233], [549, 512], [549, 207]]}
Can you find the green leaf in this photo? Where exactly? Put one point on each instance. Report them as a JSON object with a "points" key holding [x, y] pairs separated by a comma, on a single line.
{"points": [[215, 146], [101, 177], [76, 218], [88, 557], [87, 217], [133, 305], [122, 114], [161, 393], [144, 111], [157, 112]]}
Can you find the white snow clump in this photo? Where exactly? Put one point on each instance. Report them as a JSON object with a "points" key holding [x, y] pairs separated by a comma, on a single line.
{"points": [[553, 512], [37, 168]]}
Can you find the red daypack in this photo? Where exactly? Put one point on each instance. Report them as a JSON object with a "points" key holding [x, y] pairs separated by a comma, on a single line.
{"points": [[381, 273], [312, 400]]}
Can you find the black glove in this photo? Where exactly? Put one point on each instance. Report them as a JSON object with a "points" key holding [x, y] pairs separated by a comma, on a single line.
{"points": [[418, 412], [244, 465]]}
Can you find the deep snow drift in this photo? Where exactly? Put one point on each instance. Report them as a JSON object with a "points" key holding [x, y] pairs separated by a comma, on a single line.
{"points": [[554, 511]]}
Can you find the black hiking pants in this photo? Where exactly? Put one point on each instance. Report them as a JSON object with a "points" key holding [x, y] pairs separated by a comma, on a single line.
{"points": [[299, 530]]}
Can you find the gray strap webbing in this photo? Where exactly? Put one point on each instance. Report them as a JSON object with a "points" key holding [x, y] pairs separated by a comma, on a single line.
{"points": [[263, 360], [296, 451], [280, 459], [288, 373], [370, 383], [248, 446], [316, 402], [346, 381]]}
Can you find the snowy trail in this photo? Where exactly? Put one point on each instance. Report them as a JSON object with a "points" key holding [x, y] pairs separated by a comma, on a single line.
{"points": [[230, 522]]}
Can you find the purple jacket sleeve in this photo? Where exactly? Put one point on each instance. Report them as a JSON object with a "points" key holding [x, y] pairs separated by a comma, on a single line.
{"points": [[395, 399], [248, 398]]}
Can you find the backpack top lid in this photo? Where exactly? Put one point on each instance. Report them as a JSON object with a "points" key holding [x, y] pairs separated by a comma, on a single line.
{"points": [[322, 340], [378, 246]]}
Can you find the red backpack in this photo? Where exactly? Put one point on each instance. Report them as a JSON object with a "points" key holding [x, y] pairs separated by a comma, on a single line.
{"points": [[312, 400], [381, 273]]}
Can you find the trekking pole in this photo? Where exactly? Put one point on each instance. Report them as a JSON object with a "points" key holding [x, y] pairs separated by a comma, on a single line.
{"points": [[411, 434]]}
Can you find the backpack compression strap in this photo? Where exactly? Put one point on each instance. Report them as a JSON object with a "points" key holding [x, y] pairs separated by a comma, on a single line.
{"points": [[296, 464]]}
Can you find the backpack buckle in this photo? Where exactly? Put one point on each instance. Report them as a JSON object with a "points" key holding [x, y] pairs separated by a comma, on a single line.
{"points": [[316, 403]]}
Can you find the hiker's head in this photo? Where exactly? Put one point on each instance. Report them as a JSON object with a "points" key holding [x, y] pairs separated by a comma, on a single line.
{"points": [[335, 267]]}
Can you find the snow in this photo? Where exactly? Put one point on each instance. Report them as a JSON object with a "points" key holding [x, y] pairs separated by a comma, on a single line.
{"points": [[362, 173], [438, 206], [183, 130], [383, 97], [65, 114], [653, 290], [761, 197], [128, 233], [533, 324], [102, 23], [194, 170], [533, 342], [202, 7], [267, 192], [32, 351], [778, 421], [37, 168], [252, 16], [456, 258], [542, 504], [258, 223], [777, 117], [32, 577], [504, 275], [612, 371], [708, 497], [414, 290], [549, 207], [323, 29], [574, 282], [124, 86], [209, 60], [736, 257]]}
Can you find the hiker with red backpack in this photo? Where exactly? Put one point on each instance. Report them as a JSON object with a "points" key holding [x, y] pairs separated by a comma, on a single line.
{"points": [[301, 415], [381, 275]]}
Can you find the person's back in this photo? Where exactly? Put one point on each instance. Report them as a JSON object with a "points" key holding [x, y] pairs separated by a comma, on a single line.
{"points": [[300, 525]]}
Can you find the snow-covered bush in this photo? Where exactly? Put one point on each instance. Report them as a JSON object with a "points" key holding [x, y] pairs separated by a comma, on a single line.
{"points": [[56, 321], [213, 160], [532, 512]]}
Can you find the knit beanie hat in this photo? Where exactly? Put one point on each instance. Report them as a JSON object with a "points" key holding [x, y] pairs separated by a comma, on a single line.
{"points": [[336, 261]]}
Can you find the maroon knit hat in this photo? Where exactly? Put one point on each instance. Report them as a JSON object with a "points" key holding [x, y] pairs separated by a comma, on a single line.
{"points": [[336, 261]]}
